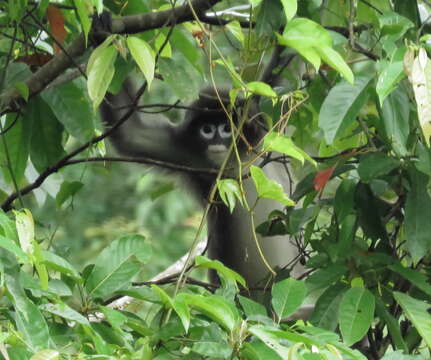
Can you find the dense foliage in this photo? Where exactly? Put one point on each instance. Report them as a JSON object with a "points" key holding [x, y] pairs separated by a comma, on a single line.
{"points": [[345, 89]]}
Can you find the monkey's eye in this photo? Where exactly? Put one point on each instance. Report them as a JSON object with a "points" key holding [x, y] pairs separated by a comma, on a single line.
{"points": [[224, 131], [207, 131]]}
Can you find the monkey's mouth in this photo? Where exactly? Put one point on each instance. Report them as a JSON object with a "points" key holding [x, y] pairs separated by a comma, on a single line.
{"points": [[217, 149], [217, 153]]}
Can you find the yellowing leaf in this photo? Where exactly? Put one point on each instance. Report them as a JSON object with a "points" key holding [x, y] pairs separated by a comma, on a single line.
{"points": [[25, 228], [420, 79]]}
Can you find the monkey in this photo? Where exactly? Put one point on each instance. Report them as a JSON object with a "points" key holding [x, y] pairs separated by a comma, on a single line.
{"points": [[202, 140]]}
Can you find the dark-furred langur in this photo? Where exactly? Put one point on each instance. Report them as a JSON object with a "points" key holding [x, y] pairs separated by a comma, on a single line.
{"points": [[202, 140]]}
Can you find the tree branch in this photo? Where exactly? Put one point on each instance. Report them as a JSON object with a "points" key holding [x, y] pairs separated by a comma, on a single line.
{"points": [[124, 25]]}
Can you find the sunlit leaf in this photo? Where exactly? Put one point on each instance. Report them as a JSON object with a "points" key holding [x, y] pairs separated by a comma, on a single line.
{"points": [[267, 188], [144, 56]]}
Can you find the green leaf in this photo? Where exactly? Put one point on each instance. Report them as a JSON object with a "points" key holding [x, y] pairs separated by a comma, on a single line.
{"points": [[83, 10], [344, 199], [186, 45], [417, 312], [388, 79], [224, 271], [417, 210], [64, 101], [66, 312], [215, 307], [234, 27], [67, 190], [375, 165], [29, 319], [22, 89], [100, 71], [257, 350], [287, 296], [114, 266], [290, 7], [271, 340], [392, 325], [160, 41], [392, 23], [342, 105], [229, 191], [356, 314], [57, 263], [213, 344], [260, 88], [275, 141], [17, 142], [304, 33], [251, 308], [335, 60], [178, 305], [415, 277], [325, 277], [47, 135], [269, 18], [144, 56], [11, 246], [395, 114], [46, 354], [325, 314], [182, 78], [267, 188]]}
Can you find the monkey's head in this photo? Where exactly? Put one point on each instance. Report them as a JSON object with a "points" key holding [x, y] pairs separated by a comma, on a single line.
{"points": [[209, 127]]}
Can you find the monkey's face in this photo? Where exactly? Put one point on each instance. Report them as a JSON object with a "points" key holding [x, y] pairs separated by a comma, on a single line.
{"points": [[215, 138]]}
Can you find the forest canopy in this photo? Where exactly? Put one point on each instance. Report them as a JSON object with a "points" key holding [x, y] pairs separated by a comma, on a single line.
{"points": [[85, 234]]}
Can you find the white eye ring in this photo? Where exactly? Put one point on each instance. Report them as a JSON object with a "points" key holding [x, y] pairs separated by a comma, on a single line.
{"points": [[224, 131], [207, 131]]}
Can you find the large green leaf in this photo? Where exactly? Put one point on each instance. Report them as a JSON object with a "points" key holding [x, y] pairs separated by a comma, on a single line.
{"points": [[356, 314], [115, 267], [287, 296], [100, 71], [65, 312], [227, 273], [342, 105], [417, 313], [144, 56], [388, 79], [267, 188], [46, 138], [57, 263], [375, 165], [215, 307], [271, 340], [29, 319], [14, 157], [415, 277], [65, 100], [417, 210], [325, 314], [395, 113]]}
